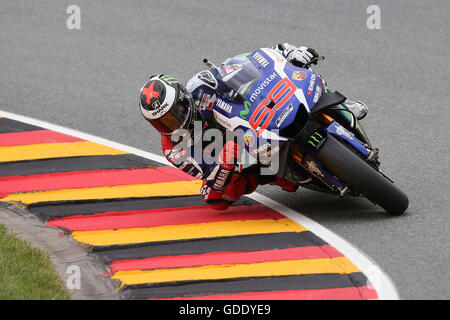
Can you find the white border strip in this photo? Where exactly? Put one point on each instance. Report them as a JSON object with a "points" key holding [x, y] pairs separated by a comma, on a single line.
{"points": [[383, 285]]}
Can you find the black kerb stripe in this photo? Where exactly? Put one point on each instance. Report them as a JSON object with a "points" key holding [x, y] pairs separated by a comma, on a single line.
{"points": [[47, 210], [238, 285], [235, 243], [9, 125], [68, 164]]}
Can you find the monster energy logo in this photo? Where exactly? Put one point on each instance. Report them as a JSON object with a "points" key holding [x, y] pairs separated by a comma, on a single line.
{"points": [[245, 112], [315, 139], [169, 79]]}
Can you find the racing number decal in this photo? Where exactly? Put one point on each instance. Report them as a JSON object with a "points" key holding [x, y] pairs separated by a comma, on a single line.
{"points": [[263, 111], [279, 94], [287, 90]]}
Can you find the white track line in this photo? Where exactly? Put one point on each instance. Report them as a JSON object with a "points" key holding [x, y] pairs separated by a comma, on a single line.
{"points": [[378, 279]]}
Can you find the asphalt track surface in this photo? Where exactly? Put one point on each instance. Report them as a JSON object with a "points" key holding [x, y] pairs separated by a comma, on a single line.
{"points": [[89, 80]]}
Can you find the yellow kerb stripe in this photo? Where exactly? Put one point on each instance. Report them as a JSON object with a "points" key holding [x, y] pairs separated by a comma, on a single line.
{"points": [[213, 272], [179, 188], [55, 150], [187, 231]]}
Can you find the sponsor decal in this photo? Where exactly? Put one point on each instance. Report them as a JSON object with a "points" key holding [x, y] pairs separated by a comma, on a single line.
{"points": [[207, 77], [169, 80], [315, 139], [204, 191], [224, 106], [264, 84], [312, 167], [221, 178], [231, 68], [243, 114], [317, 94], [340, 130], [175, 155], [264, 147], [223, 120], [272, 151], [279, 95], [312, 81], [249, 138], [207, 101], [260, 59], [299, 75], [156, 106], [284, 114], [159, 109], [229, 71]]}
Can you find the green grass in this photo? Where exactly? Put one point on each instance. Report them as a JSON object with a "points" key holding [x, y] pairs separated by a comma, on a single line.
{"points": [[27, 272]]}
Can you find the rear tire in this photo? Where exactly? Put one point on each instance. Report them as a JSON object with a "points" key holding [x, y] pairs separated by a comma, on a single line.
{"points": [[346, 165]]}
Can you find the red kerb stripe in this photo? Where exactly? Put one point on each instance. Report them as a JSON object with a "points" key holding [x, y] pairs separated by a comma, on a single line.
{"points": [[162, 217], [227, 257], [350, 293], [35, 137], [89, 179]]}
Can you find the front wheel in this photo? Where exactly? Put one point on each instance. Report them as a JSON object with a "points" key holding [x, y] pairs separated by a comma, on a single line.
{"points": [[346, 165]]}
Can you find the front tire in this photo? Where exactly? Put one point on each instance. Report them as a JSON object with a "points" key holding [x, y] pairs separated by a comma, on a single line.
{"points": [[346, 165]]}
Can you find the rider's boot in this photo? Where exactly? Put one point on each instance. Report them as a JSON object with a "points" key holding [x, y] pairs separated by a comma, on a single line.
{"points": [[356, 107], [285, 184]]}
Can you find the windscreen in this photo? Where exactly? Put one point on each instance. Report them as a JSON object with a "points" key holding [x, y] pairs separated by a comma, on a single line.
{"points": [[238, 74]]}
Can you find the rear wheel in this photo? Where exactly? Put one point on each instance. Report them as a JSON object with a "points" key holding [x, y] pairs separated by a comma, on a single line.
{"points": [[346, 165]]}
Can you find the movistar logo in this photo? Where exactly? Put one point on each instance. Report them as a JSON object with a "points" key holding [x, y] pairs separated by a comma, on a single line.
{"points": [[245, 112], [261, 87]]}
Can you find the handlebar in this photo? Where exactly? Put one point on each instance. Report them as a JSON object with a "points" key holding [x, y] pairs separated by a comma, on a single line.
{"points": [[314, 61], [209, 64]]}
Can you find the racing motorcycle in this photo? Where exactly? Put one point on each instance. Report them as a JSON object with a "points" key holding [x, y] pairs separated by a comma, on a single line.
{"points": [[289, 112]]}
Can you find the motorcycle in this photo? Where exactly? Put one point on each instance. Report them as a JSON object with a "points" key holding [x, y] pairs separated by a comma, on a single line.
{"points": [[289, 111]]}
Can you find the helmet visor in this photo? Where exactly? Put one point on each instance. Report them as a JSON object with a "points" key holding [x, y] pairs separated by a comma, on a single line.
{"points": [[177, 117]]}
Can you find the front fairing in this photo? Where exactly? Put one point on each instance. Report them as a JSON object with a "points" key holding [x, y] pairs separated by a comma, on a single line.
{"points": [[308, 84], [251, 80]]}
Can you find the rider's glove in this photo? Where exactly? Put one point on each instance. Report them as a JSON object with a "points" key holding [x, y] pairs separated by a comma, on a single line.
{"points": [[299, 57], [222, 174]]}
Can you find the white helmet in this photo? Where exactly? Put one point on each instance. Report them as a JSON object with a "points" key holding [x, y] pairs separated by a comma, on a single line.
{"points": [[166, 104]]}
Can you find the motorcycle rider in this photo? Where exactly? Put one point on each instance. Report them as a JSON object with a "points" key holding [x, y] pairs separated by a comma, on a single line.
{"points": [[169, 106]]}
